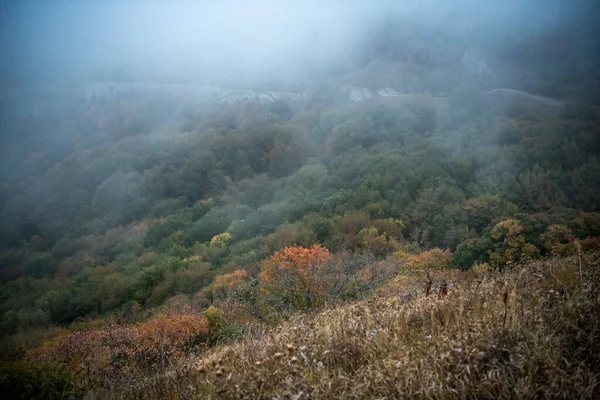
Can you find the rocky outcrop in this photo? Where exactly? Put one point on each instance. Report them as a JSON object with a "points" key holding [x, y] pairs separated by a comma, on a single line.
{"points": [[387, 92], [234, 96], [359, 94], [202, 93]]}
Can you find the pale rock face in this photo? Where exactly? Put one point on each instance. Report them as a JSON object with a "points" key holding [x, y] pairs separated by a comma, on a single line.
{"points": [[359, 94], [387, 92], [234, 96], [268, 97], [98, 90]]}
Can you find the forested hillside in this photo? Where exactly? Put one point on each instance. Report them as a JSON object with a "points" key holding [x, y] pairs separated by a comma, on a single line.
{"points": [[146, 205], [159, 226]]}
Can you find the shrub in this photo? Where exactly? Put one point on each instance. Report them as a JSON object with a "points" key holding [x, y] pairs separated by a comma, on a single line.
{"points": [[558, 240], [510, 246], [36, 381], [292, 278], [119, 350], [435, 259], [221, 239], [227, 282], [39, 265], [587, 224]]}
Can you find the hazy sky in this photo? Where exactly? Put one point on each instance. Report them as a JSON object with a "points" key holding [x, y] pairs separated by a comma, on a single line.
{"points": [[80, 39]]}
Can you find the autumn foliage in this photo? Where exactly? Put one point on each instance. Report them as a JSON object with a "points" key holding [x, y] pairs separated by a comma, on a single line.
{"points": [[511, 246], [296, 260], [226, 282], [558, 240], [435, 259], [230, 294], [116, 350], [294, 277]]}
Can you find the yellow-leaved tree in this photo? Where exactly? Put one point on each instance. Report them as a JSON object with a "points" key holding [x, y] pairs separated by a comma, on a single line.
{"points": [[511, 246]]}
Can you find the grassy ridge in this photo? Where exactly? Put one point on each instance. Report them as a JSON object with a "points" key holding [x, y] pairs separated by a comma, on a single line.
{"points": [[531, 332]]}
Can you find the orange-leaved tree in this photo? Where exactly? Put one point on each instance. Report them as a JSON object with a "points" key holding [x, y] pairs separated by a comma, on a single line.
{"points": [[294, 278], [224, 283]]}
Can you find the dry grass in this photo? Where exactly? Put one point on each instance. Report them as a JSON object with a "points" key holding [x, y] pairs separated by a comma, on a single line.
{"points": [[532, 332]]}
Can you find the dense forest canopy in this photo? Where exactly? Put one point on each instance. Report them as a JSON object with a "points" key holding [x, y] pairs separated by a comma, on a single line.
{"points": [[365, 139]]}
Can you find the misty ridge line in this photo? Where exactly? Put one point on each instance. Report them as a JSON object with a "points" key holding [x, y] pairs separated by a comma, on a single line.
{"points": [[520, 95], [96, 90], [224, 95], [202, 92]]}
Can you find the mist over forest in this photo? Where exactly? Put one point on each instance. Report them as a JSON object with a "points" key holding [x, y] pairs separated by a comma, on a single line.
{"points": [[271, 43], [215, 166]]}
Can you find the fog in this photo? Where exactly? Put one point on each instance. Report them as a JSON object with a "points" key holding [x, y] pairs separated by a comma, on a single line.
{"points": [[213, 42], [148, 148], [434, 56]]}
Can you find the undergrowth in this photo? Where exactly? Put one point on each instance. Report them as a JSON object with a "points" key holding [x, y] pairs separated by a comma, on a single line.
{"points": [[530, 332]]}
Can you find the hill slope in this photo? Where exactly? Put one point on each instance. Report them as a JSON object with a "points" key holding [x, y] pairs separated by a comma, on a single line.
{"points": [[530, 332]]}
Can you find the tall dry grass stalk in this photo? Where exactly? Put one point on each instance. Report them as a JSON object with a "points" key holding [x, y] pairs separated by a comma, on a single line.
{"points": [[578, 248]]}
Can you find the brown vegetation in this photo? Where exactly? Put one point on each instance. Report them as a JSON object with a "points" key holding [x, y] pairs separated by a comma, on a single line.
{"points": [[121, 355], [530, 332]]}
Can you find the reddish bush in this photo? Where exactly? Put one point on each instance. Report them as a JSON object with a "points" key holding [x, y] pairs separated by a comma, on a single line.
{"points": [[109, 352]]}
